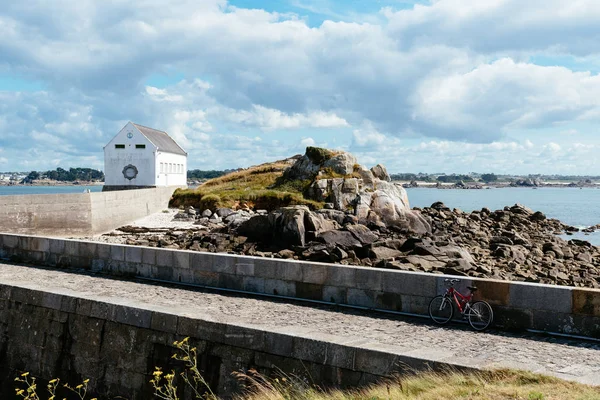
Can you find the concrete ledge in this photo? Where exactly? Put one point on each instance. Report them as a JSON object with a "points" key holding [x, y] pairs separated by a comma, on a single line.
{"points": [[518, 305]]}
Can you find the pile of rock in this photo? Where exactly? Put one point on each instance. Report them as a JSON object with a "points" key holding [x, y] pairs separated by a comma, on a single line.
{"points": [[511, 244], [517, 243], [367, 221]]}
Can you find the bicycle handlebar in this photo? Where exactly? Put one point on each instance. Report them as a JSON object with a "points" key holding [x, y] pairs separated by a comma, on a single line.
{"points": [[452, 280]]}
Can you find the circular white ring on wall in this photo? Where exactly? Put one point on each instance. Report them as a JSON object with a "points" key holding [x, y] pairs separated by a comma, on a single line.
{"points": [[130, 172]]}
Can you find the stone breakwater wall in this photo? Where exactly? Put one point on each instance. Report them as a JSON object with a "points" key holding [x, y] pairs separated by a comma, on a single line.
{"points": [[117, 345], [79, 213], [517, 305]]}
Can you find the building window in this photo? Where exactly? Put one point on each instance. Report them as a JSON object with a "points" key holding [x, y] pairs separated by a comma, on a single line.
{"points": [[162, 168], [140, 146], [119, 146]]}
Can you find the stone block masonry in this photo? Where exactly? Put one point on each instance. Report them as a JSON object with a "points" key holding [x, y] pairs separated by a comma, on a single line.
{"points": [[75, 325], [517, 305], [116, 342], [79, 214]]}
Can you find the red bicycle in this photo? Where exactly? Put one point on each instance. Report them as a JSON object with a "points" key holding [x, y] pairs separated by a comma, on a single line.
{"points": [[479, 314]]}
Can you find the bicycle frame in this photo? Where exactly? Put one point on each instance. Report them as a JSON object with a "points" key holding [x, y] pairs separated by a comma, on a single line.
{"points": [[455, 294]]}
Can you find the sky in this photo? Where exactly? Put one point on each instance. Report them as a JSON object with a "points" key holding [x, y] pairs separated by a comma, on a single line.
{"points": [[504, 86]]}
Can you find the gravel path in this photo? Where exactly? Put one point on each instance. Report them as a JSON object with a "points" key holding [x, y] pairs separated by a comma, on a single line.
{"points": [[571, 359]]}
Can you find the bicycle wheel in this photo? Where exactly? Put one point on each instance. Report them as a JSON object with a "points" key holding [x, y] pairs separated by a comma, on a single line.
{"points": [[480, 315], [441, 310]]}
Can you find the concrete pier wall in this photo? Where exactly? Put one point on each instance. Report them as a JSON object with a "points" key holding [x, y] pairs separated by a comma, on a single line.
{"points": [[111, 210], [79, 214], [517, 305], [117, 344], [48, 214]]}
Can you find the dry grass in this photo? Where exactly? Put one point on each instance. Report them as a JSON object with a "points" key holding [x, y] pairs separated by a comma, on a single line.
{"points": [[261, 174], [258, 186], [496, 385]]}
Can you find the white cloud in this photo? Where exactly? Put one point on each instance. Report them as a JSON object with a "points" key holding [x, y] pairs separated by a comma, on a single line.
{"points": [[368, 137], [305, 142], [495, 98], [553, 147], [271, 119], [455, 75], [491, 26], [162, 95]]}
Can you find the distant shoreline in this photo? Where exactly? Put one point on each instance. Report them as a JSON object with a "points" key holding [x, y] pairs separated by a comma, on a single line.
{"points": [[499, 185], [52, 183]]}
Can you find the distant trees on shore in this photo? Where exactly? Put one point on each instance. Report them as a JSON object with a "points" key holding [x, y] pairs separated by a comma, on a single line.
{"points": [[63, 175], [411, 177], [489, 178], [455, 178]]}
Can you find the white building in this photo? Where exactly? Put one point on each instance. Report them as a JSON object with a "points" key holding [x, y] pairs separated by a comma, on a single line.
{"points": [[141, 157]]}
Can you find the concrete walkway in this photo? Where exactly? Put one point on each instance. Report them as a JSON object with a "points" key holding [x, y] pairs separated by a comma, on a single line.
{"points": [[457, 344]]}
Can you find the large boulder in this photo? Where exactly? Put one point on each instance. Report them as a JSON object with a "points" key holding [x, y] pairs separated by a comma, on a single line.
{"points": [[341, 163], [366, 175], [390, 203], [284, 226], [319, 161], [344, 239], [335, 215], [256, 228], [319, 222], [362, 234], [380, 172], [288, 226]]}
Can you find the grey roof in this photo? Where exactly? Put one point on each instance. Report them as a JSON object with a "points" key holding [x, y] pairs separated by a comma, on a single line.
{"points": [[161, 139]]}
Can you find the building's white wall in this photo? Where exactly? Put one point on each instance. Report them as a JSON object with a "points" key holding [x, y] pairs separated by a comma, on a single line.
{"points": [[116, 159], [171, 169]]}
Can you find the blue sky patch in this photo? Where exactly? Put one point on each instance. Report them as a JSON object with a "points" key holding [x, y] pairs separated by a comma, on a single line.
{"points": [[161, 81], [12, 83]]}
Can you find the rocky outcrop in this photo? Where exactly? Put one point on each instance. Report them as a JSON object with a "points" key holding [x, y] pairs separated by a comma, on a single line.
{"points": [[369, 194], [341, 163], [528, 182], [380, 172], [319, 161]]}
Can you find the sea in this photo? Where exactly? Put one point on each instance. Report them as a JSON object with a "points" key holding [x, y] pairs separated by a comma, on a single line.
{"points": [[18, 189], [573, 206]]}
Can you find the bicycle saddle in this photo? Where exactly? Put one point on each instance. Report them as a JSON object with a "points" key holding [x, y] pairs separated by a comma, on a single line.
{"points": [[473, 289]]}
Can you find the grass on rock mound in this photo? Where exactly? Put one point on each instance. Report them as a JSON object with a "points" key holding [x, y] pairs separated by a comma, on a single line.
{"points": [[319, 155], [260, 186]]}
